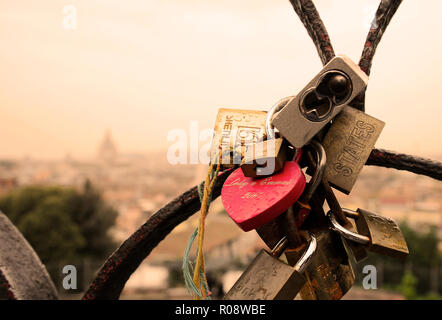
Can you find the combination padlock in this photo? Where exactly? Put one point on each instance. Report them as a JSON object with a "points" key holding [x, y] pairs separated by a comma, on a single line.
{"points": [[338, 83], [268, 278]]}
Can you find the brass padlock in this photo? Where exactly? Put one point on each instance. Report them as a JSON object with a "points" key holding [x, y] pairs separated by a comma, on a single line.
{"points": [[348, 144], [267, 157], [330, 273], [338, 83], [236, 129], [268, 278], [378, 233]]}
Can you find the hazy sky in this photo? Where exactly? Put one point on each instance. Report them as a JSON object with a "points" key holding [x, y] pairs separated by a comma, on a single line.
{"points": [[145, 67]]}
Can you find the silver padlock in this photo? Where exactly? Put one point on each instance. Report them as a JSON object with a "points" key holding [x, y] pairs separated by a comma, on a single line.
{"points": [[339, 82]]}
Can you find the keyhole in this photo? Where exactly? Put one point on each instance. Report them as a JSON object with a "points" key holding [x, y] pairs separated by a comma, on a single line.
{"points": [[315, 107], [335, 85], [334, 88]]}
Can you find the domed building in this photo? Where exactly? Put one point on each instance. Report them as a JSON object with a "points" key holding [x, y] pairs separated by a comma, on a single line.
{"points": [[107, 150]]}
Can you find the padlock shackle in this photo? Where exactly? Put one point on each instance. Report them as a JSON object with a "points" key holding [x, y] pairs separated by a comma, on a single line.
{"points": [[279, 248], [347, 234], [270, 131], [321, 161], [308, 255], [350, 213]]}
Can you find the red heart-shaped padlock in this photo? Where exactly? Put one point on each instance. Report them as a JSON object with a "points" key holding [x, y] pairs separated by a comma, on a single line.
{"points": [[252, 203]]}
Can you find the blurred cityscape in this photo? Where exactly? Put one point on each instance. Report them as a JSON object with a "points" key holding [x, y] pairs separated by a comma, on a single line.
{"points": [[137, 185]]}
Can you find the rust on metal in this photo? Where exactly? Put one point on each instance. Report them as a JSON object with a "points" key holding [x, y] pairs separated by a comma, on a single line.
{"points": [[125, 260]]}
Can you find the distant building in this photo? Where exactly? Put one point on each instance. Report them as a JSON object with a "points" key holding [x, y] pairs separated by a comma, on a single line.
{"points": [[107, 150], [7, 184]]}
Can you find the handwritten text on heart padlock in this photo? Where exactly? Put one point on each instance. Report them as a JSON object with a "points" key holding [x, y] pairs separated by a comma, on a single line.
{"points": [[252, 203]]}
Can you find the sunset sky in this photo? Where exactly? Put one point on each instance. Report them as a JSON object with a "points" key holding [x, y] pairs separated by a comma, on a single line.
{"points": [[144, 67]]}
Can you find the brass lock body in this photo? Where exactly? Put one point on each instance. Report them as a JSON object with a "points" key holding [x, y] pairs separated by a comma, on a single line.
{"points": [[265, 158], [236, 129]]}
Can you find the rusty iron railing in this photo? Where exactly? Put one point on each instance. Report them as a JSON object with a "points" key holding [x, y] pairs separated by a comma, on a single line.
{"points": [[117, 269]]}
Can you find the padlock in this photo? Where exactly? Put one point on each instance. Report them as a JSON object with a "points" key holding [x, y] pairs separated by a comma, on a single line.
{"points": [[267, 157], [378, 233], [296, 245], [272, 231], [348, 144], [236, 129], [268, 278], [338, 83], [302, 207], [355, 250], [330, 273], [334, 275], [252, 203]]}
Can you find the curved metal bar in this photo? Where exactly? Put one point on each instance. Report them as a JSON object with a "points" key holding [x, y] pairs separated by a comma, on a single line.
{"points": [[321, 160], [383, 16], [113, 275], [400, 161], [347, 234], [279, 248], [124, 261], [308, 255], [116, 271], [309, 16]]}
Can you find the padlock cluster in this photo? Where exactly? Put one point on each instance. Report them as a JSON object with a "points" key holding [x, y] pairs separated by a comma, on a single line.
{"points": [[317, 137]]}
